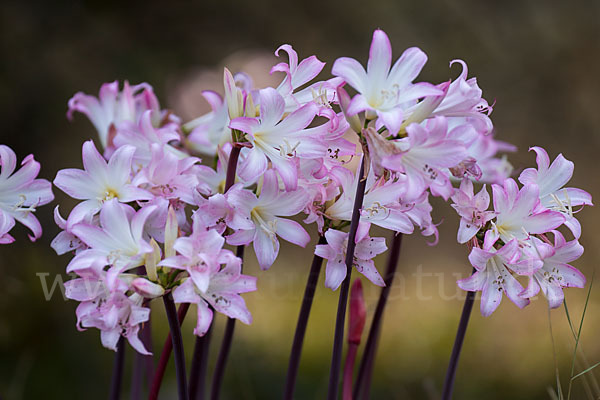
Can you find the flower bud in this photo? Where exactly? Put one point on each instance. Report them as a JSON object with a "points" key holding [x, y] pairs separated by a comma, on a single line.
{"points": [[233, 96], [344, 99], [146, 288], [358, 313]]}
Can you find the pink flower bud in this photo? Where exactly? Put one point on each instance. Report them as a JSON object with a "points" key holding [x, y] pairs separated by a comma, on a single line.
{"points": [[358, 313], [146, 288]]}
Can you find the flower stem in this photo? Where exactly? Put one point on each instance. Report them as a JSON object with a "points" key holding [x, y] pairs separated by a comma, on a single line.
{"points": [[338, 341], [458, 342], [366, 363], [225, 348], [177, 346], [199, 366], [232, 166], [165, 355], [117, 375], [309, 294]]}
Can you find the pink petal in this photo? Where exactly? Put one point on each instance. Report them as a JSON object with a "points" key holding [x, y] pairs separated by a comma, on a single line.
{"points": [[407, 67], [292, 231], [352, 72], [380, 59]]}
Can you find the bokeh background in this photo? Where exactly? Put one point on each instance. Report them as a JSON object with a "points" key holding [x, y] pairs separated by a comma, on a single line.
{"points": [[540, 62]]}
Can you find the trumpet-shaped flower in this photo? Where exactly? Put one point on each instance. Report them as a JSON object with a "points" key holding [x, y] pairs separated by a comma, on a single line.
{"points": [[472, 210], [113, 107], [265, 212], [278, 140], [550, 178], [20, 194], [199, 254], [117, 242], [517, 215], [222, 294], [380, 204], [99, 181], [168, 176], [335, 254], [493, 278], [424, 158], [556, 273], [382, 91], [111, 311]]}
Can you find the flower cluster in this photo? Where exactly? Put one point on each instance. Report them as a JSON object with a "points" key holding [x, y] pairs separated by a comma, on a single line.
{"points": [[153, 219], [513, 239]]}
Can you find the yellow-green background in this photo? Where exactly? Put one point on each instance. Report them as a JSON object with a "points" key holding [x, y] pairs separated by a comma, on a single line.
{"points": [[540, 61]]}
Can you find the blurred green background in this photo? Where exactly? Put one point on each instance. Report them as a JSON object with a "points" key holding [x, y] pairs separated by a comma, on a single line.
{"points": [[539, 60]]}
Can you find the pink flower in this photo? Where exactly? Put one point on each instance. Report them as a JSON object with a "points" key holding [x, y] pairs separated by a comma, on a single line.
{"points": [[111, 311], [211, 130], [199, 254], [298, 75], [168, 176], [472, 210], [381, 204], [117, 242], [424, 158], [143, 134], [382, 91], [335, 253], [550, 179], [114, 106], [20, 194], [517, 214], [555, 273], [493, 277], [266, 212], [278, 140], [222, 293], [99, 181], [218, 213]]}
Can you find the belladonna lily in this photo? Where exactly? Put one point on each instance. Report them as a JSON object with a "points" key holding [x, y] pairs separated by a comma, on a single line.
{"points": [[20, 194], [110, 310], [222, 293], [493, 278], [118, 241], [199, 254], [265, 212], [99, 181], [380, 205], [383, 92], [424, 157], [517, 214], [278, 140], [472, 210], [555, 273], [335, 254], [550, 179]]}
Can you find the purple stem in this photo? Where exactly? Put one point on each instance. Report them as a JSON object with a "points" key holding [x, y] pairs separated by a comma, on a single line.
{"points": [[458, 342], [178, 353], [225, 348], [366, 364], [338, 341], [165, 355], [309, 294], [117, 375], [199, 366]]}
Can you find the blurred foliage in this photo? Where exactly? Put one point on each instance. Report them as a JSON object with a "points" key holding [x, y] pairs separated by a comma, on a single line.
{"points": [[539, 60]]}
